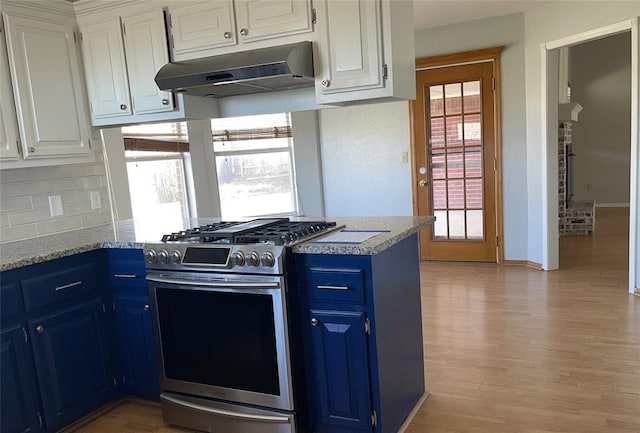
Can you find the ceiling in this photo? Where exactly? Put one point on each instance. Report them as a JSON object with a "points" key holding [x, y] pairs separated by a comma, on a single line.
{"points": [[432, 13]]}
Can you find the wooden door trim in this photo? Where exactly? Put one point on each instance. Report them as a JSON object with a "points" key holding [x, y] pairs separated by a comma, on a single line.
{"points": [[456, 59]]}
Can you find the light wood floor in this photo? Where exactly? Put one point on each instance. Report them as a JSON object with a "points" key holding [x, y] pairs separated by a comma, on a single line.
{"points": [[514, 350]]}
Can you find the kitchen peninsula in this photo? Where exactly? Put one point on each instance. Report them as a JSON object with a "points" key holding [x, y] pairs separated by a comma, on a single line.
{"points": [[356, 326]]}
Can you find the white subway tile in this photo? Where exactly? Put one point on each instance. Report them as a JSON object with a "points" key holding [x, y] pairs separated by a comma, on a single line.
{"points": [[59, 225], [96, 219], [49, 172], [14, 204], [14, 175], [83, 195], [66, 184], [82, 170], [21, 189], [89, 182], [29, 216], [80, 208], [10, 234], [4, 220]]}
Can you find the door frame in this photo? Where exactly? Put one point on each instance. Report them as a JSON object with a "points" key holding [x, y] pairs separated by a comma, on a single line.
{"points": [[549, 137], [484, 55]]}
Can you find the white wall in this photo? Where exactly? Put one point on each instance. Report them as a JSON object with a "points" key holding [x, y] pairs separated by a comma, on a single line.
{"points": [[601, 83], [361, 160], [24, 203], [548, 22]]}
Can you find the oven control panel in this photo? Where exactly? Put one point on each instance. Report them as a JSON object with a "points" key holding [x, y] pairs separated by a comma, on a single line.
{"points": [[250, 259]]}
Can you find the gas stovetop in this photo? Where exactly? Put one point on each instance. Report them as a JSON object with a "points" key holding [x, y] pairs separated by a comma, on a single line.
{"points": [[276, 231], [251, 247]]}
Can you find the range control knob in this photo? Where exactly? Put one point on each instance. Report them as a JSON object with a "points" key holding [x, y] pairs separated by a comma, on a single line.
{"points": [[163, 256], [237, 259], [253, 259], [268, 259], [176, 256], [150, 256]]}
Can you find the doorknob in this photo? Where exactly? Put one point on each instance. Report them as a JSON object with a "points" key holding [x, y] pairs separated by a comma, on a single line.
{"points": [[422, 183]]}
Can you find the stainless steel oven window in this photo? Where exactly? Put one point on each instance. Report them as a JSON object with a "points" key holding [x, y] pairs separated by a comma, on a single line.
{"points": [[223, 342]]}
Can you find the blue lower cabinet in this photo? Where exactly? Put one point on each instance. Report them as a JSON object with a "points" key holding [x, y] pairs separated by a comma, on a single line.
{"points": [[341, 372], [72, 359], [137, 347], [19, 400]]}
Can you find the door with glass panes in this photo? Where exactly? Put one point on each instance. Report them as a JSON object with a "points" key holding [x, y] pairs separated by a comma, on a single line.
{"points": [[455, 154]]}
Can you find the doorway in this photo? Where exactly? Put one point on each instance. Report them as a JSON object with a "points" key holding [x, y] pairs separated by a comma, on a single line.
{"points": [[456, 150], [550, 246]]}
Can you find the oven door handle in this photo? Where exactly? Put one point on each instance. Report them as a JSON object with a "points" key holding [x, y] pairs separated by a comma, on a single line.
{"points": [[222, 412], [218, 284]]}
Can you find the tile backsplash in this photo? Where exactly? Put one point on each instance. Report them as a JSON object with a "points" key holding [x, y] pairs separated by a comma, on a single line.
{"points": [[24, 199]]}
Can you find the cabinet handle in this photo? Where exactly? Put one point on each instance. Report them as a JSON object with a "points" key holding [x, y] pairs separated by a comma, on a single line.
{"points": [[165, 102], [40, 329], [125, 275], [325, 83], [244, 32], [333, 287], [314, 322], [123, 107], [146, 307], [32, 150], [67, 286], [227, 35]]}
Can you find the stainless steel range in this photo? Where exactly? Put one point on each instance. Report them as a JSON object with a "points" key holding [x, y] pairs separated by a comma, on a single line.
{"points": [[222, 324]]}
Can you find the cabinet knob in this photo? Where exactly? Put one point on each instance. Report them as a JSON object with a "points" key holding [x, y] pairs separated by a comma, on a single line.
{"points": [[40, 329], [146, 307], [325, 83], [32, 150], [123, 107], [165, 102], [314, 322], [227, 35], [244, 32]]}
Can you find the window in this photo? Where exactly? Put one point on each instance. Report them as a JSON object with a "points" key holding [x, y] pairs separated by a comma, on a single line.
{"points": [[253, 157], [156, 173]]}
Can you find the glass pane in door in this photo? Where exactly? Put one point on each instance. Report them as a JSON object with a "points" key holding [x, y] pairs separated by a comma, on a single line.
{"points": [[454, 128]]}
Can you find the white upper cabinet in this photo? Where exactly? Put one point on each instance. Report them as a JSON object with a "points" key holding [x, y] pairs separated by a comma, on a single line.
{"points": [[47, 84], [146, 52], [121, 62], [366, 51], [106, 69], [265, 19], [208, 28], [201, 26], [9, 140]]}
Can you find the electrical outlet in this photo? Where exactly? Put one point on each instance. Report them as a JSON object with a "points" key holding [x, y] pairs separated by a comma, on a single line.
{"points": [[96, 200], [404, 157], [55, 205], [588, 187]]}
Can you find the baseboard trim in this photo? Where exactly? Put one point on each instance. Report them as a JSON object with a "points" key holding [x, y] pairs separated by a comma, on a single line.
{"points": [[405, 425], [525, 263], [612, 205]]}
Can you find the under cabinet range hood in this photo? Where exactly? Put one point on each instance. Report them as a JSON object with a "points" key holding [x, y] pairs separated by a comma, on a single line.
{"points": [[263, 70]]}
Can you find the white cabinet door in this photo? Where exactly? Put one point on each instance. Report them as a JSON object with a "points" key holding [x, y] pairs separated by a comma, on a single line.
{"points": [[201, 26], [48, 87], [105, 69], [146, 52], [352, 53], [9, 141], [264, 19]]}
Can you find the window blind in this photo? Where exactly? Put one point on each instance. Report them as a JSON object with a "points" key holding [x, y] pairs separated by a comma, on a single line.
{"points": [[160, 137]]}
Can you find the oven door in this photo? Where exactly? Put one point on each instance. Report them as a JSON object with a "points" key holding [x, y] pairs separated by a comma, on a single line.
{"points": [[223, 337]]}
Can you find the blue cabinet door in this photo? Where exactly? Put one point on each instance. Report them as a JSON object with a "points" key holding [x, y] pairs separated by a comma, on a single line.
{"points": [[71, 354], [137, 347], [341, 372], [19, 400]]}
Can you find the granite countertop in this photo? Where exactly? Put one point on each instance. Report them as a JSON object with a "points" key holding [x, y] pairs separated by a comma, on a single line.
{"points": [[124, 234]]}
